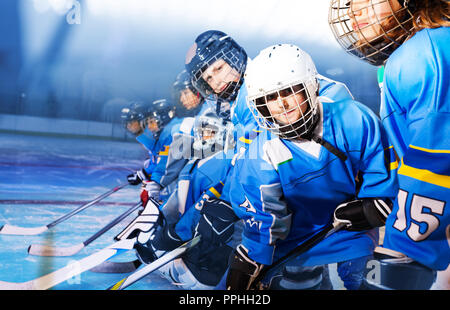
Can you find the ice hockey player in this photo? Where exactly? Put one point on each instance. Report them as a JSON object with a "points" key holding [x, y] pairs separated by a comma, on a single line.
{"points": [[188, 100], [178, 146], [196, 208], [217, 64], [410, 41], [135, 117], [165, 125], [302, 173]]}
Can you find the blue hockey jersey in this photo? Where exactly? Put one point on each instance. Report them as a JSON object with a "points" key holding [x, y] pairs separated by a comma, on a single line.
{"points": [[415, 110], [200, 179], [148, 141], [168, 163], [286, 191]]}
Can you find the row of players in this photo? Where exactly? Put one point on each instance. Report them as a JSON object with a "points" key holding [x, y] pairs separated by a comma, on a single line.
{"points": [[279, 151]]}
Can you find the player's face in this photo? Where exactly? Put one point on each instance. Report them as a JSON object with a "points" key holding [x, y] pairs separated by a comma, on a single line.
{"points": [[188, 99], [287, 105], [134, 127], [370, 17], [219, 75], [152, 125], [208, 133]]}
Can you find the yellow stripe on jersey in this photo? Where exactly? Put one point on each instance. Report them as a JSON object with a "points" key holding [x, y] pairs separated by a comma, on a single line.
{"points": [[393, 164], [215, 192], [429, 150], [248, 141], [424, 175], [165, 152]]}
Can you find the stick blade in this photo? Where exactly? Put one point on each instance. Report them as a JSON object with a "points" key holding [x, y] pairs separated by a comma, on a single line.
{"points": [[9, 286], [117, 267], [156, 264], [24, 231], [45, 250]]}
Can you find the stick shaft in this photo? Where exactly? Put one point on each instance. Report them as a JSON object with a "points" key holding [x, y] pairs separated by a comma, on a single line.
{"points": [[112, 224], [86, 205], [302, 248]]}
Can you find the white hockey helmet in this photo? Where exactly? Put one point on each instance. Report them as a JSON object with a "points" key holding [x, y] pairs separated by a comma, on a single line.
{"points": [[371, 29], [281, 73]]}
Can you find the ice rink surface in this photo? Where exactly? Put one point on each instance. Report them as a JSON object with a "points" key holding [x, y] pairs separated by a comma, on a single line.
{"points": [[43, 178]]}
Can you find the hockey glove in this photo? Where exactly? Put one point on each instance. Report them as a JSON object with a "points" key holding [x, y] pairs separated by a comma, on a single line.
{"points": [[137, 177], [144, 225], [152, 188], [243, 270], [363, 214], [216, 225]]}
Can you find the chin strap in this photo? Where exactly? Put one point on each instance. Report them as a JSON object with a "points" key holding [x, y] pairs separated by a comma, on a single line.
{"points": [[329, 147], [312, 136]]}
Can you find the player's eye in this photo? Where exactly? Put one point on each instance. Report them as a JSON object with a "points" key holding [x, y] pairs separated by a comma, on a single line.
{"points": [[286, 92], [272, 97], [297, 88]]}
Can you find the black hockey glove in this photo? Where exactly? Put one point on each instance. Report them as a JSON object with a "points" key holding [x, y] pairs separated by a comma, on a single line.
{"points": [[242, 271], [137, 177], [166, 239], [216, 225], [363, 214]]}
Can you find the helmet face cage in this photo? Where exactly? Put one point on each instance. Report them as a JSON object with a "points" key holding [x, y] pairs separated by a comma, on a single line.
{"points": [[186, 98], [211, 135], [188, 101], [236, 59], [371, 39], [287, 120]]}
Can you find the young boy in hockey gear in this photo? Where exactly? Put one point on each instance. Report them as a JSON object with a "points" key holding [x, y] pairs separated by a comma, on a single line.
{"points": [[217, 65], [135, 118], [188, 100], [302, 168], [165, 125], [196, 208], [414, 110]]}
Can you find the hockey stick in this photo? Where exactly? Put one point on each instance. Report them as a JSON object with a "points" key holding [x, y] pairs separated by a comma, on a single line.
{"points": [[72, 269], [166, 258], [45, 250], [30, 231], [302, 248], [117, 267]]}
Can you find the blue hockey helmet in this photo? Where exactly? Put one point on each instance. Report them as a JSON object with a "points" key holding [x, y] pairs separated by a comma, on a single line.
{"points": [[209, 48], [160, 113], [133, 116], [187, 99]]}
